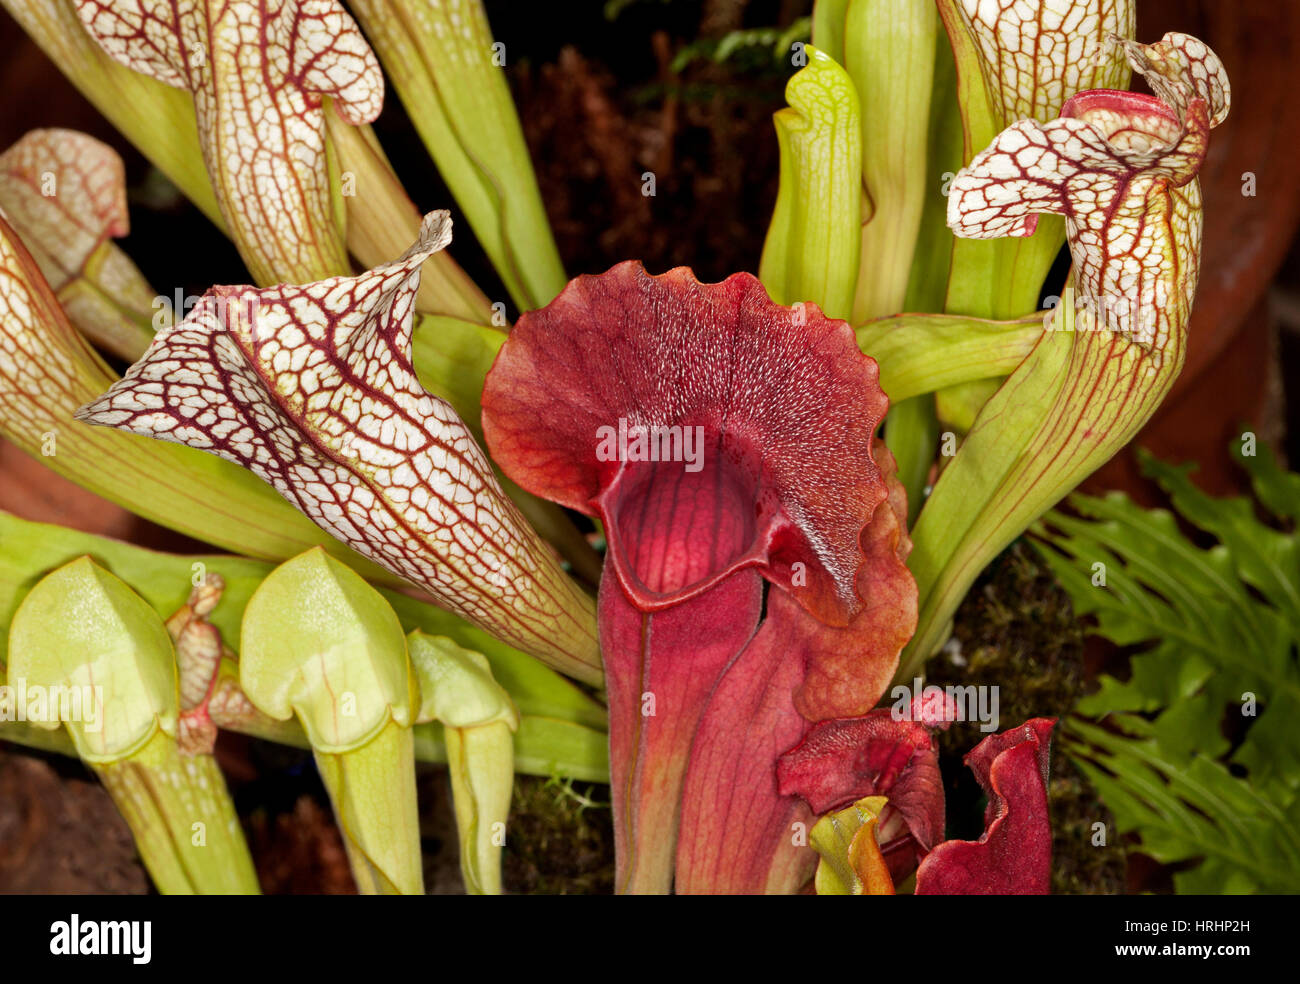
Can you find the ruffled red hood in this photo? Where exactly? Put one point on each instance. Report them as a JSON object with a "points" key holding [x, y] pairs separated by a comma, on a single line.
{"points": [[724, 441]]}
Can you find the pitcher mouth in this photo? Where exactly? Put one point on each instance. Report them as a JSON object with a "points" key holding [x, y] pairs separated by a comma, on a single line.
{"points": [[1129, 122], [674, 533]]}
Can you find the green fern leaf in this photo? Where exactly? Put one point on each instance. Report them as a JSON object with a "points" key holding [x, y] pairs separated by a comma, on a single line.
{"points": [[1216, 629]]}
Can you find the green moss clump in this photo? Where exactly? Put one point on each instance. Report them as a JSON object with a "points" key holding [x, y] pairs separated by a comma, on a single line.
{"points": [[560, 839]]}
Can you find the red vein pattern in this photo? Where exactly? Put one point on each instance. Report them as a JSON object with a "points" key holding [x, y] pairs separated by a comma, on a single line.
{"points": [[258, 72], [1036, 54], [1122, 170], [65, 194], [198, 662], [46, 368], [83, 205], [311, 388]]}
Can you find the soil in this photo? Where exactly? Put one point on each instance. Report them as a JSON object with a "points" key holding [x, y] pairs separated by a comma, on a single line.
{"points": [[60, 832]]}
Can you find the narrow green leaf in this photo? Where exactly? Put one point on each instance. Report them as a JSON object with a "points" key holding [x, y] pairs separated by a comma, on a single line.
{"points": [[927, 288], [450, 75], [889, 54], [921, 353], [912, 428], [814, 241], [828, 27], [912, 434]]}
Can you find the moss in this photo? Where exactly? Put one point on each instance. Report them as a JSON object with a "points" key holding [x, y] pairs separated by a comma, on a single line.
{"points": [[1079, 867], [561, 839], [1016, 630]]}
